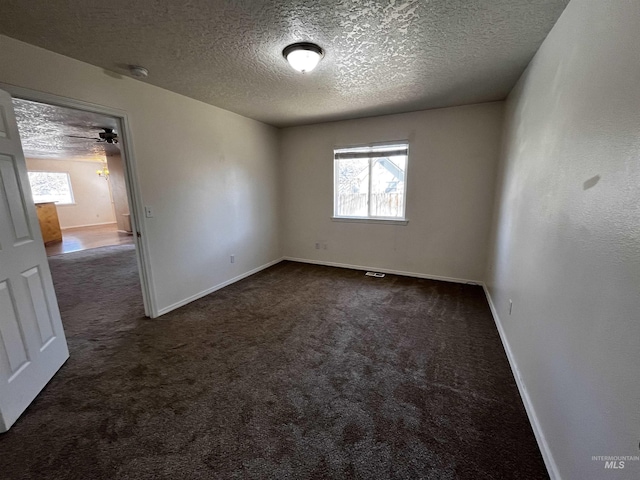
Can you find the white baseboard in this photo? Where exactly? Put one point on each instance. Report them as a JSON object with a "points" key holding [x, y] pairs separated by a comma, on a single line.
{"points": [[384, 270], [552, 467], [203, 293], [88, 225]]}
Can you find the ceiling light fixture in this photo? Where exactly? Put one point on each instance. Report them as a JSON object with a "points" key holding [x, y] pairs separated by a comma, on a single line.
{"points": [[303, 56], [103, 172]]}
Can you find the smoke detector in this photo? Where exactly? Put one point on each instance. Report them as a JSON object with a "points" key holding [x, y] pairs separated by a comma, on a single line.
{"points": [[138, 71]]}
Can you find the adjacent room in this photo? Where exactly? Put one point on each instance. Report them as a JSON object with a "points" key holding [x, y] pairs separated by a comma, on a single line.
{"points": [[76, 176], [368, 240]]}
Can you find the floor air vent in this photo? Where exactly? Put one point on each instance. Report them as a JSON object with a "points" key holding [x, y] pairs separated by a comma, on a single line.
{"points": [[374, 274]]}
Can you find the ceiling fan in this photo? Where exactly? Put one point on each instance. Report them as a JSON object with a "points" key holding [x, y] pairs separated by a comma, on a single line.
{"points": [[108, 136]]}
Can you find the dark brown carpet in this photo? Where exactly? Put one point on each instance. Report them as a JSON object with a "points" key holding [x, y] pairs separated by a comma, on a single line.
{"points": [[297, 372]]}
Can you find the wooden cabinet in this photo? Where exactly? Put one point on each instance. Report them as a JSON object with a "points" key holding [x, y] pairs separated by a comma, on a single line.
{"points": [[49, 223]]}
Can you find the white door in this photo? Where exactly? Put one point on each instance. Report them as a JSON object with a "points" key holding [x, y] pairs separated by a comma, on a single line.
{"points": [[32, 342]]}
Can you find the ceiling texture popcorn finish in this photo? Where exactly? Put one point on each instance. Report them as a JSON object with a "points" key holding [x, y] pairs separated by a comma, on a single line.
{"points": [[381, 56], [45, 132]]}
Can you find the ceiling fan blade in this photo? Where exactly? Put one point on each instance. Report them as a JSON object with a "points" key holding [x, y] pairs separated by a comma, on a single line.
{"points": [[78, 136]]}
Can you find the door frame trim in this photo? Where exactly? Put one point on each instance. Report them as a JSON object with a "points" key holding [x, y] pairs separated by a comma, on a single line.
{"points": [[131, 179]]}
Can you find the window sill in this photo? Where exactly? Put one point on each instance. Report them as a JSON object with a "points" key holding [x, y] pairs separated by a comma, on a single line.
{"points": [[383, 221]]}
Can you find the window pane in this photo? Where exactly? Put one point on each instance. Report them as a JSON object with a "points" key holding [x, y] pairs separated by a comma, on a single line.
{"points": [[352, 187], [387, 186], [51, 187]]}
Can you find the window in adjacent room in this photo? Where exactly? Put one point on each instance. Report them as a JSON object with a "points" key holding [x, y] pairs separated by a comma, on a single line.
{"points": [[51, 187], [370, 182]]}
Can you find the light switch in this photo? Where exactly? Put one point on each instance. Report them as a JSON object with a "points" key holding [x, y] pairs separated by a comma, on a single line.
{"points": [[148, 212]]}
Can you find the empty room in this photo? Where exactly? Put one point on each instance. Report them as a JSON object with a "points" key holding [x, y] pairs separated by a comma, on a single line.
{"points": [[394, 239]]}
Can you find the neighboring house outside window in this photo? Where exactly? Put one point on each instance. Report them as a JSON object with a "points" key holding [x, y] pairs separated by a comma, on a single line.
{"points": [[51, 187], [370, 182]]}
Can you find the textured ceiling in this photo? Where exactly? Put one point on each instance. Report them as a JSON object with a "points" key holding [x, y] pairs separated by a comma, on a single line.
{"points": [[382, 56], [45, 129]]}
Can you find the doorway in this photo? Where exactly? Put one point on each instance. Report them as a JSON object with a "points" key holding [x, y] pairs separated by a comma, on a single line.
{"points": [[33, 343], [124, 226], [76, 172]]}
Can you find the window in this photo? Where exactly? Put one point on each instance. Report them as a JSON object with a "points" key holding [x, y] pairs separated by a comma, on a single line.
{"points": [[370, 182], [51, 187]]}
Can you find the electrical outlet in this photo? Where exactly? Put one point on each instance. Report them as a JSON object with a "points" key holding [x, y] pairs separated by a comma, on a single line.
{"points": [[233, 259], [510, 306], [317, 245]]}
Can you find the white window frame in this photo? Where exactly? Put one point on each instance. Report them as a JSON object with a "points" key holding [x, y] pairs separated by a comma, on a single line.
{"points": [[370, 219], [73, 201]]}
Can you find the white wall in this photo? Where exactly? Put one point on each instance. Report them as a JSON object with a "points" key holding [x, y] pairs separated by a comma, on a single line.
{"points": [[450, 184], [119, 191], [92, 202], [567, 236], [210, 175]]}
